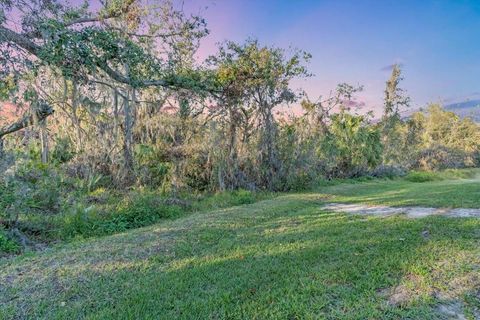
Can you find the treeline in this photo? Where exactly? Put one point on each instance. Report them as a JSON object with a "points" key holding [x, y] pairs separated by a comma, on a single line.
{"points": [[116, 99]]}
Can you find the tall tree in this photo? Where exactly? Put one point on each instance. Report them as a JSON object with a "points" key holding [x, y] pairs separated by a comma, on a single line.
{"points": [[231, 105], [123, 45], [269, 86], [395, 97]]}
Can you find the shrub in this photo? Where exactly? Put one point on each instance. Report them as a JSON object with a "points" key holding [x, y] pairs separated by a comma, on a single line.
{"points": [[62, 151], [300, 180], [141, 210], [35, 185], [231, 198], [151, 167], [76, 222], [388, 171], [90, 183], [352, 146], [7, 245], [136, 210], [458, 174], [439, 158], [227, 199], [243, 196], [7, 199], [418, 176]]}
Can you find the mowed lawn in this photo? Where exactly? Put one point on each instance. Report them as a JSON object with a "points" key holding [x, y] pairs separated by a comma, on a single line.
{"points": [[450, 189], [283, 258]]}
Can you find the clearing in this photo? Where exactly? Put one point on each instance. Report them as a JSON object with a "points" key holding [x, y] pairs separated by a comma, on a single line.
{"points": [[283, 258]]}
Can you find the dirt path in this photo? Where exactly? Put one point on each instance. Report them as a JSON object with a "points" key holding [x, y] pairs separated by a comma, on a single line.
{"points": [[411, 212]]}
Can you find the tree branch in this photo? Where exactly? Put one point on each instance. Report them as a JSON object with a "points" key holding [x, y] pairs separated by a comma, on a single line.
{"points": [[99, 17], [20, 40], [31, 47], [28, 119]]}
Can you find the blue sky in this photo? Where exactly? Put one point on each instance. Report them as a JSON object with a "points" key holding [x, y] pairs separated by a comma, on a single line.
{"points": [[437, 42]]}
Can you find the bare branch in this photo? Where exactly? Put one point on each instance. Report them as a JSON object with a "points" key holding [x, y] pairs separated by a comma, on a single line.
{"points": [[28, 119], [18, 39], [127, 4]]}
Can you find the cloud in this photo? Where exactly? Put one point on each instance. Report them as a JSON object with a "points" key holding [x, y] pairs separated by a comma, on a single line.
{"points": [[390, 66], [463, 98]]}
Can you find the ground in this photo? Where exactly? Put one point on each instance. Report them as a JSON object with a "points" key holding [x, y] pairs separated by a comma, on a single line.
{"points": [[282, 258]]}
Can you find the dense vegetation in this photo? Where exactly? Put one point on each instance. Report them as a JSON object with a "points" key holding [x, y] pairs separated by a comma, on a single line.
{"points": [[121, 126]]}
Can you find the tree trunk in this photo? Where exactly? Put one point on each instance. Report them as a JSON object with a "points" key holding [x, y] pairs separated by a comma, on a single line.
{"points": [[75, 118], [128, 136], [232, 161], [44, 140], [268, 152], [115, 114]]}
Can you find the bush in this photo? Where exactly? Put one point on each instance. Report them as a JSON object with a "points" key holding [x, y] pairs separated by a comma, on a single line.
{"points": [[417, 176], [141, 210], [352, 147], [440, 158], [242, 196], [388, 171], [151, 167], [7, 199], [62, 151], [7, 245], [299, 180], [233, 198], [452, 174], [136, 210], [35, 186], [227, 199], [79, 221]]}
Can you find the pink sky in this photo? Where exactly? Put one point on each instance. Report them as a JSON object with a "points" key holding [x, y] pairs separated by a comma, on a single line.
{"points": [[356, 41]]}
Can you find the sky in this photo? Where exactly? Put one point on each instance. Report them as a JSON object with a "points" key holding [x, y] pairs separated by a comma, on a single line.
{"points": [[437, 43]]}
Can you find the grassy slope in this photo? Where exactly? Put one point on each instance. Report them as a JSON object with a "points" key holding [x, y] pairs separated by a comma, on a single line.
{"points": [[282, 258]]}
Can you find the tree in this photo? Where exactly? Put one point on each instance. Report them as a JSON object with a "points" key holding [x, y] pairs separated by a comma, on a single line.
{"points": [[122, 45], [267, 85], [395, 97], [80, 43], [318, 113], [231, 108], [252, 81]]}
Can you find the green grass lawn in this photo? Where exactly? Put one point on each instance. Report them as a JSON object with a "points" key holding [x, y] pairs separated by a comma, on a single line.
{"points": [[451, 189], [282, 258]]}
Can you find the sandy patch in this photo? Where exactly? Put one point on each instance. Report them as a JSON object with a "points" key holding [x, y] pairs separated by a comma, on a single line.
{"points": [[411, 212]]}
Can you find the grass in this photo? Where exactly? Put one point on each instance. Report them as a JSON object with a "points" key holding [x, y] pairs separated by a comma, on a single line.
{"points": [[280, 258], [452, 189], [104, 212]]}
